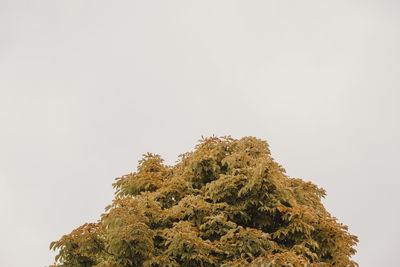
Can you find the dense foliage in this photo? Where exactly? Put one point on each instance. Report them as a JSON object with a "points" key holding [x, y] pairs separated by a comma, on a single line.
{"points": [[227, 203]]}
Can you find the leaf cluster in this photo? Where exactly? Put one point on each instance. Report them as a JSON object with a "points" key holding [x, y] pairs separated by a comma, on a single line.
{"points": [[227, 203]]}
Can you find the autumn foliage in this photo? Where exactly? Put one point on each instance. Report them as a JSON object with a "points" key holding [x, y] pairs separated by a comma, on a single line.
{"points": [[227, 203]]}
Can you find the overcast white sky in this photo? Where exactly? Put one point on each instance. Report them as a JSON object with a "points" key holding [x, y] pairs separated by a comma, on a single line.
{"points": [[86, 87]]}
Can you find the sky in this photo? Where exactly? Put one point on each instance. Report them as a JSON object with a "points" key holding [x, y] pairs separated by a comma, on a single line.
{"points": [[87, 87]]}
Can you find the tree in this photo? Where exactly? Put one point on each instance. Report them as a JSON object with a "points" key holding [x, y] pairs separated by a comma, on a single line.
{"points": [[227, 203]]}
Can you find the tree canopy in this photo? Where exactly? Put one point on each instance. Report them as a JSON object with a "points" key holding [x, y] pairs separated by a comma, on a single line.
{"points": [[226, 203]]}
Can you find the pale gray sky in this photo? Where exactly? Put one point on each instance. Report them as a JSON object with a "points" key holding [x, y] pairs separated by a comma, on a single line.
{"points": [[86, 87]]}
